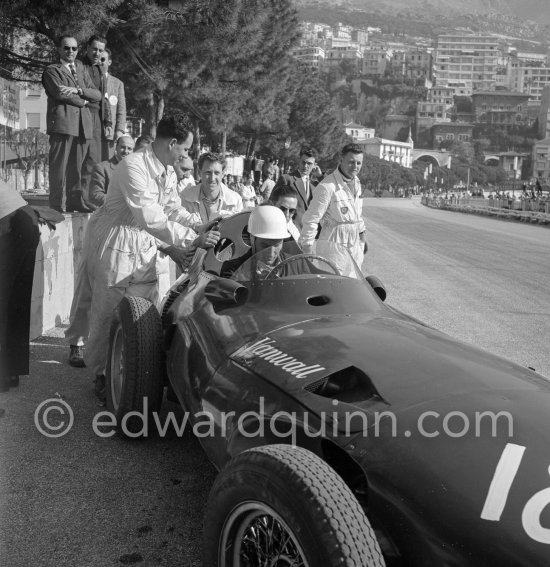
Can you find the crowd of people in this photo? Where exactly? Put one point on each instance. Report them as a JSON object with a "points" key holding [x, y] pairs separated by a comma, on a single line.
{"points": [[153, 203]]}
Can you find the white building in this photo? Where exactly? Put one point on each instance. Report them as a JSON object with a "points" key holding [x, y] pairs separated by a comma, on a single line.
{"points": [[390, 150], [466, 62], [358, 132]]}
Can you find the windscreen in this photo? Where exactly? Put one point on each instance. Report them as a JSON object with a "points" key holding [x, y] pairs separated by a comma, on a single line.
{"points": [[287, 261]]}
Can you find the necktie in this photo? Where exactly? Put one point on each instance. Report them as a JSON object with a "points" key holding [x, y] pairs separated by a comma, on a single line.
{"points": [[306, 187], [73, 73]]}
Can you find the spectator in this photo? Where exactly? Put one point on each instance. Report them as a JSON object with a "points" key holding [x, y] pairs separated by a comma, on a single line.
{"points": [[69, 124], [184, 173], [258, 165], [103, 170], [143, 142], [248, 193], [337, 207], [286, 199], [299, 180], [267, 186], [94, 65], [117, 100], [19, 237], [211, 199], [142, 214], [276, 170]]}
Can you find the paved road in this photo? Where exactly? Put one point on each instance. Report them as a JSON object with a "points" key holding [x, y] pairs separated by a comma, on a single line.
{"points": [[92, 502], [482, 280]]}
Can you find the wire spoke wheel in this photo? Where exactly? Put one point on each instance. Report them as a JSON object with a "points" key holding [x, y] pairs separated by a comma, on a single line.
{"points": [[255, 535]]}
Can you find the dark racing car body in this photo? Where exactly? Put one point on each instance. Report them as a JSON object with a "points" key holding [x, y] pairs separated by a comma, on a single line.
{"points": [[444, 446]]}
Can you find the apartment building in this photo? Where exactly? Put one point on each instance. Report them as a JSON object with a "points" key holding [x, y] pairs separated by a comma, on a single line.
{"points": [[310, 56], [502, 108], [544, 113], [528, 76], [336, 55], [376, 60], [466, 63]]}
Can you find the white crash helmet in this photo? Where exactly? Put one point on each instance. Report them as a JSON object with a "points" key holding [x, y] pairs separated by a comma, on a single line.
{"points": [[267, 221]]}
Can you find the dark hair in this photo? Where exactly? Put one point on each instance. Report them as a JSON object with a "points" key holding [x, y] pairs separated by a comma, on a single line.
{"points": [[65, 36], [176, 126], [307, 151], [212, 158], [143, 141], [352, 148], [97, 38], [281, 192]]}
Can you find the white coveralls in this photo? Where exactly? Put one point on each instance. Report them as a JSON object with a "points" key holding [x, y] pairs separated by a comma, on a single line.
{"points": [[337, 207], [142, 208]]}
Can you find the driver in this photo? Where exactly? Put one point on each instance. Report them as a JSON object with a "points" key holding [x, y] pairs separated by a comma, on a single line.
{"points": [[267, 226]]}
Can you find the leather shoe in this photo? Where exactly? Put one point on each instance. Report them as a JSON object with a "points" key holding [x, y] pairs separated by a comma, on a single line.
{"points": [[76, 357]]}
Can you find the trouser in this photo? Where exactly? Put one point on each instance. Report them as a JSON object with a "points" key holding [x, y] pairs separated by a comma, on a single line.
{"points": [[66, 158], [107, 149], [93, 155], [104, 302], [79, 318], [19, 237]]}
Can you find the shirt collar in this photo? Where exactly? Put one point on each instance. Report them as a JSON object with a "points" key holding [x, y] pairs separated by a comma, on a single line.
{"points": [[344, 177]]}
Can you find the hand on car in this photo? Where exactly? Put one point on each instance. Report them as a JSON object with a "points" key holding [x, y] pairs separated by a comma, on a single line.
{"points": [[207, 225], [207, 239], [181, 256]]}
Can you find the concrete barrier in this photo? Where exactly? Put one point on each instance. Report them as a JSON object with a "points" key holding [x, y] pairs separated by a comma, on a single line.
{"points": [[57, 259]]}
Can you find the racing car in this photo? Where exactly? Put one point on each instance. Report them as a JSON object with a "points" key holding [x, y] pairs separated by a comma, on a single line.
{"points": [[345, 432]]}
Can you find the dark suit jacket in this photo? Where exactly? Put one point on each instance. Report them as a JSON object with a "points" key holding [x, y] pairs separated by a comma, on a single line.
{"points": [[294, 180], [101, 177], [68, 114]]}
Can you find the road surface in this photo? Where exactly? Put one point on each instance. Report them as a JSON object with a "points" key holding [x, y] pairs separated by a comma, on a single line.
{"points": [[93, 502]]}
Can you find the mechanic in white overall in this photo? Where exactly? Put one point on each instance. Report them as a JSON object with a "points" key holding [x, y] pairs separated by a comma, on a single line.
{"points": [[337, 207], [141, 216]]}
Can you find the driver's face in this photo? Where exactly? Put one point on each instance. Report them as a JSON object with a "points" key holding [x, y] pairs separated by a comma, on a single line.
{"points": [[260, 244]]}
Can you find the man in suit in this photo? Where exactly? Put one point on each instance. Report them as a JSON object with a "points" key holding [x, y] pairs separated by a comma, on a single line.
{"points": [[103, 170], [93, 63], [299, 180], [69, 124], [117, 101]]}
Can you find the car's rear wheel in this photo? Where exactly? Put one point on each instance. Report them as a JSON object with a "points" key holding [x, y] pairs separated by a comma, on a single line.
{"points": [[135, 365], [281, 506]]}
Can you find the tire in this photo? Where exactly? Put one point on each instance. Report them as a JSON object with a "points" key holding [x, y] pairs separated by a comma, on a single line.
{"points": [[274, 494], [134, 381]]}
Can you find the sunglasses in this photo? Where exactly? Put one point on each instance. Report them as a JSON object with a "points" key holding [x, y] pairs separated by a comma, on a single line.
{"points": [[285, 210], [70, 48]]}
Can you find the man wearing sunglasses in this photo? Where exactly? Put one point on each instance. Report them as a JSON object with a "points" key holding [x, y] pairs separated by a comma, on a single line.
{"points": [[69, 125], [300, 182]]}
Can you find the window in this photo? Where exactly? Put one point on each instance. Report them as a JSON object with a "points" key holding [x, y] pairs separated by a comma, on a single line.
{"points": [[33, 120], [33, 91], [450, 137]]}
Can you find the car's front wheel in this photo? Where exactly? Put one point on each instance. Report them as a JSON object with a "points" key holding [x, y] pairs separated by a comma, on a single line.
{"points": [[280, 506], [135, 365]]}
